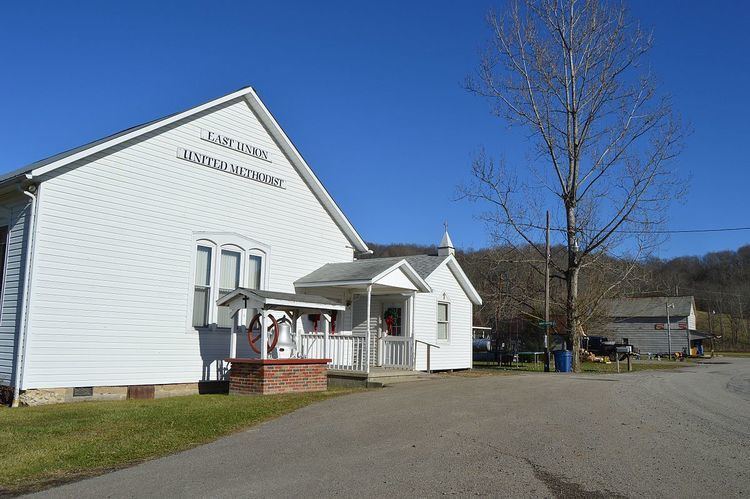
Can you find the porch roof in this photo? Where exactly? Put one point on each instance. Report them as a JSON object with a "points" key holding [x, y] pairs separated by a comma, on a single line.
{"points": [[362, 272], [702, 335], [253, 298]]}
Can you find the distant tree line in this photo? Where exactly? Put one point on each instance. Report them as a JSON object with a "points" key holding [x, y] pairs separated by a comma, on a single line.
{"points": [[512, 287]]}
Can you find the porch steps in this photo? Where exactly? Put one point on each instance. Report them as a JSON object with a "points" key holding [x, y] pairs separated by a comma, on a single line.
{"points": [[378, 377]]}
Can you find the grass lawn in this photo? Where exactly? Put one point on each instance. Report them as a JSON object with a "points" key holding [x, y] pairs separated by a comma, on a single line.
{"points": [[733, 354], [57, 443], [587, 367]]}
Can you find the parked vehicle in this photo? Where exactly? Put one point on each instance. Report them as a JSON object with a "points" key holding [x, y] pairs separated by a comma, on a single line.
{"points": [[604, 347]]}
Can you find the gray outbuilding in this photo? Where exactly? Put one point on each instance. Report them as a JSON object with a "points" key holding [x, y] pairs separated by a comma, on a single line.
{"points": [[654, 325]]}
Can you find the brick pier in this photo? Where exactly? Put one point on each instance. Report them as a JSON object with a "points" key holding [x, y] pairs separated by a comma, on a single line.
{"points": [[262, 377]]}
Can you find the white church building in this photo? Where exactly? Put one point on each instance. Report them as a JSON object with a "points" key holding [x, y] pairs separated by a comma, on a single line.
{"points": [[136, 262]]}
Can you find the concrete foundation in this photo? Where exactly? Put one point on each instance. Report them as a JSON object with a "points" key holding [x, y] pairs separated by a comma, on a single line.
{"points": [[44, 396]]}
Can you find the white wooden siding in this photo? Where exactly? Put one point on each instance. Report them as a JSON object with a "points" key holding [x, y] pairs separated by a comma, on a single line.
{"points": [[13, 211], [113, 274], [359, 322], [456, 353]]}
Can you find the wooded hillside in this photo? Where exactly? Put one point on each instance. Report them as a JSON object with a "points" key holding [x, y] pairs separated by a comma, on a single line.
{"points": [[513, 290]]}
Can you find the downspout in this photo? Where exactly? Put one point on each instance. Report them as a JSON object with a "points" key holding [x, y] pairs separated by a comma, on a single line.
{"points": [[29, 191]]}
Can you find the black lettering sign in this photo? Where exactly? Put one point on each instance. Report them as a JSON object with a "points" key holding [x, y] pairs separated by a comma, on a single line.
{"points": [[231, 143], [225, 166]]}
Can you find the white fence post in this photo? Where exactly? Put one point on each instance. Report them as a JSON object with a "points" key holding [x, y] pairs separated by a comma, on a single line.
{"points": [[367, 346], [326, 337], [263, 333], [412, 335]]}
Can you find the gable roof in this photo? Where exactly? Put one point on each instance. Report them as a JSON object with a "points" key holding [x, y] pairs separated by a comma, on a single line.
{"points": [[370, 268], [358, 270], [366, 271], [52, 163], [649, 307]]}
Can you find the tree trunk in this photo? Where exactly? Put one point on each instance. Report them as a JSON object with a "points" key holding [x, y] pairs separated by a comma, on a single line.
{"points": [[574, 329], [571, 277]]}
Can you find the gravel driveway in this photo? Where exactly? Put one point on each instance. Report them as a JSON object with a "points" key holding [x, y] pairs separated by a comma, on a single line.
{"points": [[653, 433]]}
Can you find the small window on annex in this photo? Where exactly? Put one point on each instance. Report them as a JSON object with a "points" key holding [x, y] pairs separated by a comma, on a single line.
{"points": [[443, 321]]}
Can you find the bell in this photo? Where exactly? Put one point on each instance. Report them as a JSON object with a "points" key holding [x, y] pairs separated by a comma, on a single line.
{"points": [[285, 345]]}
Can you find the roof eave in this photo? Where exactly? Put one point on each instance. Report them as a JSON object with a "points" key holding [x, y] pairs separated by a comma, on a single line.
{"points": [[308, 174], [412, 273], [277, 302], [318, 284], [463, 280], [138, 132], [251, 97]]}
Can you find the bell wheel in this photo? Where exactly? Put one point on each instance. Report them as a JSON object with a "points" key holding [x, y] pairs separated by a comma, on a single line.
{"points": [[254, 332]]}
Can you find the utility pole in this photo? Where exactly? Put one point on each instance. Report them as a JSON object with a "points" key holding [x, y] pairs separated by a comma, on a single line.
{"points": [[711, 329], [546, 301], [669, 330]]}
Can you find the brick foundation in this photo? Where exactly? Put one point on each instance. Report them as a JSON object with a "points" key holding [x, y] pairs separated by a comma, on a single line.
{"points": [[263, 377]]}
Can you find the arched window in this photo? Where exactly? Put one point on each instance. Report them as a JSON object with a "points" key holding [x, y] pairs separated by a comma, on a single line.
{"points": [[223, 262]]}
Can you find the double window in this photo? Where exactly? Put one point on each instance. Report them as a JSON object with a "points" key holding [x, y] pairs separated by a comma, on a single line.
{"points": [[219, 270], [443, 321]]}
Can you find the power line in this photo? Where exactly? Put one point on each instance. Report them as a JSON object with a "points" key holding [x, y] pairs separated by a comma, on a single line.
{"points": [[722, 293], [629, 231], [694, 231]]}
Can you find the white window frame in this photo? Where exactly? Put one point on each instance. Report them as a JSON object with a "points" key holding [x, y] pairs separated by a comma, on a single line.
{"points": [[242, 279], [218, 242], [211, 279], [447, 322]]}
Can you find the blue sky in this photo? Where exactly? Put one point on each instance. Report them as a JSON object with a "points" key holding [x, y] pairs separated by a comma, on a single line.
{"points": [[369, 92]]}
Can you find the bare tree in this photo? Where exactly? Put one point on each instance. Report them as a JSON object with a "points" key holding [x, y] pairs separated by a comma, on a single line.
{"points": [[569, 73]]}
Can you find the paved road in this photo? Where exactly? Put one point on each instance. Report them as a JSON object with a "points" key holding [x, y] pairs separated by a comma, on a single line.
{"points": [[675, 434]]}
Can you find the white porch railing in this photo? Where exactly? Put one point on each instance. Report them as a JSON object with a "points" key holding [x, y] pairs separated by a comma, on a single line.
{"points": [[397, 352], [347, 352]]}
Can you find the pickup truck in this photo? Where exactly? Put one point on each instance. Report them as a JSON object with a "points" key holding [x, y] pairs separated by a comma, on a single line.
{"points": [[604, 347]]}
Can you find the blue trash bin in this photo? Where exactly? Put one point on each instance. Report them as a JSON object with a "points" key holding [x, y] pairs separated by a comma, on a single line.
{"points": [[563, 361]]}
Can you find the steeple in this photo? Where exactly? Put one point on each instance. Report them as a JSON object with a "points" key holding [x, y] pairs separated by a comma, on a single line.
{"points": [[446, 245]]}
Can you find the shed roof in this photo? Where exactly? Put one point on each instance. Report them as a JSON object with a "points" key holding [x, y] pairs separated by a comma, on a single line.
{"points": [[263, 298], [649, 307]]}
